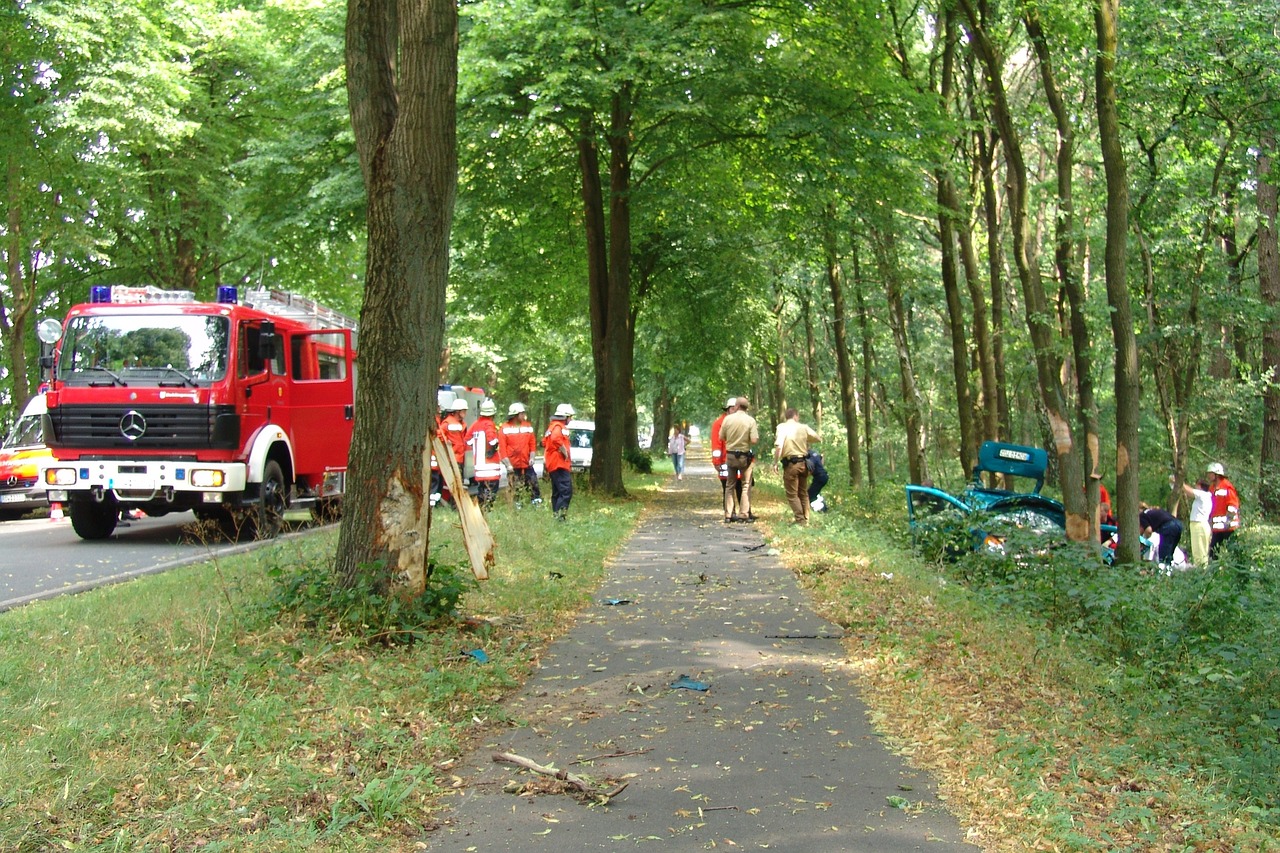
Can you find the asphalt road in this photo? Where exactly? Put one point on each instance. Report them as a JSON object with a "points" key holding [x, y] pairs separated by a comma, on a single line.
{"points": [[42, 558]]}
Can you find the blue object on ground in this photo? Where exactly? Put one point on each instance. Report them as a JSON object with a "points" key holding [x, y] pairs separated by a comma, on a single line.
{"points": [[684, 682], [617, 601], [479, 655]]}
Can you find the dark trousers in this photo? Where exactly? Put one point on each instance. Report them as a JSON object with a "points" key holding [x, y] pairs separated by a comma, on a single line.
{"points": [[1170, 535], [1218, 541], [561, 490], [526, 480]]}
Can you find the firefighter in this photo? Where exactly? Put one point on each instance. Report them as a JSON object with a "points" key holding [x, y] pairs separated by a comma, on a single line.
{"points": [[517, 444], [453, 430], [482, 438], [1224, 516], [718, 460], [555, 457]]}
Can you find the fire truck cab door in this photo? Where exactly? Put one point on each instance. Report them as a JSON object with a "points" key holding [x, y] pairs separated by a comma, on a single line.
{"points": [[323, 389], [261, 378]]}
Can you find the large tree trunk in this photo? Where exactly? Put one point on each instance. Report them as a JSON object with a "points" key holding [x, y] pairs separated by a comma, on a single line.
{"points": [[948, 213], [1039, 324], [844, 370], [1269, 290], [609, 285], [401, 82], [1127, 385], [1068, 278]]}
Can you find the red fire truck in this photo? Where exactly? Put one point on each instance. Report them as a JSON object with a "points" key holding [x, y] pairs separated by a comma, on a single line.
{"points": [[235, 410]]}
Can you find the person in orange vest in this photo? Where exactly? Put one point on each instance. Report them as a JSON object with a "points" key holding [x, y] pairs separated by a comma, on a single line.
{"points": [[718, 459], [555, 457], [482, 439], [452, 429], [1224, 516], [516, 446]]}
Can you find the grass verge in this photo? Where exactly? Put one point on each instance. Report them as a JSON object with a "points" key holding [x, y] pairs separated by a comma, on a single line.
{"points": [[177, 712], [1037, 744]]}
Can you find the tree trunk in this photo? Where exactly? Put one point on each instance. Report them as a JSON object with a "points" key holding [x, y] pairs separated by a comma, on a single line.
{"points": [[1269, 290], [1127, 380], [1039, 319], [402, 83], [1068, 279], [844, 370], [811, 361], [995, 274], [868, 360], [15, 317], [609, 284], [912, 408], [948, 213]]}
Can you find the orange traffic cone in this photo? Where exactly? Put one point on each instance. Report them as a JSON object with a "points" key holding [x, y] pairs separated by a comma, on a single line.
{"points": [[55, 512]]}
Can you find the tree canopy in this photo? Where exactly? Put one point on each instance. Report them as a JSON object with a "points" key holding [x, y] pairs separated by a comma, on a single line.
{"points": [[663, 203]]}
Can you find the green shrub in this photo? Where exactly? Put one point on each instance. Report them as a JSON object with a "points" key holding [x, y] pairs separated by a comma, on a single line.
{"points": [[369, 607], [640, 461]]}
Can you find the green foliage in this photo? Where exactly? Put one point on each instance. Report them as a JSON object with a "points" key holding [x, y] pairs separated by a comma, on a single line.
{"points": [[640, 461], [1197, 648], [369, 607]]}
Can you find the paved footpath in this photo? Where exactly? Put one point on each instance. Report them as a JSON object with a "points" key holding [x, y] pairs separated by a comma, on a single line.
{"points": [[775, 754]]}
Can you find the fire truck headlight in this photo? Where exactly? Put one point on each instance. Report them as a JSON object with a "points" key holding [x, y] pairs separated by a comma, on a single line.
{"points": [[60, 476], [204, 478]]}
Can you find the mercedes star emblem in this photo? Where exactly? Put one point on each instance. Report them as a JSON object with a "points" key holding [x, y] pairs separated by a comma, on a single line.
{"points": [[133, 425]]}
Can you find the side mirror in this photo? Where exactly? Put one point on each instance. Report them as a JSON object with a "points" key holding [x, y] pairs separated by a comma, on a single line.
{"points": [[267, 342]]}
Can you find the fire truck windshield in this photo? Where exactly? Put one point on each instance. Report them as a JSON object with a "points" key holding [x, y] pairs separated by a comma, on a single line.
{"points": [[144, 349]]}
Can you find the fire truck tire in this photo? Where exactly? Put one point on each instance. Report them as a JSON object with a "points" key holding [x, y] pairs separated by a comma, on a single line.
{"points": [[93, 519], [273, 500]]}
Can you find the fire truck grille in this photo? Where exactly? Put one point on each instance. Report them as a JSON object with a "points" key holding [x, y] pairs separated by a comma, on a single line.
{"points": [[116, 427]]}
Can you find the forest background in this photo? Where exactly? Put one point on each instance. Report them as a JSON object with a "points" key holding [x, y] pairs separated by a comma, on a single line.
{"points": [[924, 224]]}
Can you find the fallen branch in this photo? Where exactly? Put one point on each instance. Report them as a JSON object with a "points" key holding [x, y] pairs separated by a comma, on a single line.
{"points": [[577, 783]]}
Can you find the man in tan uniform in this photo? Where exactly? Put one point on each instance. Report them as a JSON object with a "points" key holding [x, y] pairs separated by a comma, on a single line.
{"points": [[791, 451], [740, 435]]}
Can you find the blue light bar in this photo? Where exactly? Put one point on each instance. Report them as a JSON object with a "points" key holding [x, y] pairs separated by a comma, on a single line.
{"points": [[100, 293], [228, 294]]}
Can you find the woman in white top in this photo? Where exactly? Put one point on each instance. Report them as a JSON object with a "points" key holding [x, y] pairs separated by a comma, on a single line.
{"points": [[1201, 504]]}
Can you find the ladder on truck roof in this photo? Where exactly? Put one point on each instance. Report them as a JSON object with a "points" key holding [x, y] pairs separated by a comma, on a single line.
{"points": [[300, 308]]}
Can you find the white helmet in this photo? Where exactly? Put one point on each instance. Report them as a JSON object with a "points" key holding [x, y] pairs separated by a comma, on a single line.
{"points": [[488, 408], [458, 405], [732, 401], [515, 409], [564, 410], [1216, 468]]}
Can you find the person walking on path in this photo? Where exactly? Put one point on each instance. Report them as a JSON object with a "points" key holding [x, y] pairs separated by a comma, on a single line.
{"points": [[517, 446], [1201, 506], [791, 454], [740, 435], [556, 460], [1224, 515], [676, 446]]}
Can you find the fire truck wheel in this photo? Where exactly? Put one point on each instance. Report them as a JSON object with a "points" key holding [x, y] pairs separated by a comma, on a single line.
{"points": [[94, 520], [273, 501]]}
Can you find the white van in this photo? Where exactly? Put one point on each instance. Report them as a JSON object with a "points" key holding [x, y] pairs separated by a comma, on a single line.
{"points": [[581, 436]]}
